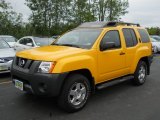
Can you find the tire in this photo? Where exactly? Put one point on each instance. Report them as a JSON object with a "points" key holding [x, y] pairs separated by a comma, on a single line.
{"points": [[75, 93], [141, 73]]}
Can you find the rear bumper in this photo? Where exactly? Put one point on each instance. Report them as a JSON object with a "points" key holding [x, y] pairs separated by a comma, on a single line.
{"points": [[38, 83]]}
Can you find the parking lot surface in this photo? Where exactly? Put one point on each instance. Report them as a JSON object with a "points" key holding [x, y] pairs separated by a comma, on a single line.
{"points": [[120, 102]]}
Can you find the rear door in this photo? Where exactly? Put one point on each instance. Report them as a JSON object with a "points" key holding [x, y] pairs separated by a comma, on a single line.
{"points": [[131, 41]]}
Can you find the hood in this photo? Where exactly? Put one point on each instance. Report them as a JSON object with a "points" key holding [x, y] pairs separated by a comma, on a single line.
{"points": [[49, 53], [9, 52]]}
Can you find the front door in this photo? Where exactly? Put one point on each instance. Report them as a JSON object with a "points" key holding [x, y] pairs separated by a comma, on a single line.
{"points": [[111, 62]]}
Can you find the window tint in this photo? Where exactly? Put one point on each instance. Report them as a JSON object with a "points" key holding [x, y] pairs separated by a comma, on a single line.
{"points": [[134, 38], [144, 36], [22, 41], [28, 40], [130, 37], [112, 36], [83, 38]]}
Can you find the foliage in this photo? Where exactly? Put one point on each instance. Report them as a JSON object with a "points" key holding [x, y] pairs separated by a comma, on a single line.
{"points": [[154, 30], [110, 9], [10, 21], [54, 17]]}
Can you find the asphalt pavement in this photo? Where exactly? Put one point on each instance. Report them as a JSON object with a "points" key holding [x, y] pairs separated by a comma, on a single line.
{"points": [[120, 102]]}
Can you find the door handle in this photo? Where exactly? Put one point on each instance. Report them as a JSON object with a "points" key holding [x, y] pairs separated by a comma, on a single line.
{"points": [[122, 53]]}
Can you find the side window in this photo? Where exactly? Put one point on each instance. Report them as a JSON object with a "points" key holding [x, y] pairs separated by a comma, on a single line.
{"points": [[28, 40], [22, 41], [144, 35], [130, 37], [134, 37], [112, 37]]}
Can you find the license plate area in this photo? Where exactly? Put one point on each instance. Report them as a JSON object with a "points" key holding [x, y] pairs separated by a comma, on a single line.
{"points": [[19, 85]]}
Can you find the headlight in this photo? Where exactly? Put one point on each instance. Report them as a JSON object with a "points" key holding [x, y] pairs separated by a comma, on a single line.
{"points": [[46, 67]]}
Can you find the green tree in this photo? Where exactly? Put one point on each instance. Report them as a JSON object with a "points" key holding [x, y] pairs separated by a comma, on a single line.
{"points": [[39, 17], [57, 16], [154, 30], [117, 8], [10, 21], [82, 11], [111, 9]]}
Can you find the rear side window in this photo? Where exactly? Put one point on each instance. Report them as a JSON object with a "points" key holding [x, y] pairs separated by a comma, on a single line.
{"points": [[130, 37], [134, 37], [144, 35]]}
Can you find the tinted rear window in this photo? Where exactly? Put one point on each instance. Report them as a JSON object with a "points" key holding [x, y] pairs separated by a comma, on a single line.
{"points": [[130, 37], [144, 36], [134, 36]]}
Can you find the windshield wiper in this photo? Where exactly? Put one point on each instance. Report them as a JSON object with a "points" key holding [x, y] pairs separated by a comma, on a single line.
{"points": [[56, 44], [70, 45]]}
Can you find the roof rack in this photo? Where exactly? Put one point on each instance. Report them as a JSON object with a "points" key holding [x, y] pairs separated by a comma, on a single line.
{"points": [[121, 23], [105, 24]]}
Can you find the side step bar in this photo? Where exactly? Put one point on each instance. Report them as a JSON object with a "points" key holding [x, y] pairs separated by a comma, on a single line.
{"points": [[114, 82]]}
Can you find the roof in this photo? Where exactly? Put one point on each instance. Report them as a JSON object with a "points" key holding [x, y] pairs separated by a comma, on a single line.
{"points": [[105, 24], [6, 36]]}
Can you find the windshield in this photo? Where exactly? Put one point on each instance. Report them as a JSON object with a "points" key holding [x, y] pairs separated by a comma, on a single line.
{"points": [[8, 39], [43, 41], [83, 38], [3, 44]]}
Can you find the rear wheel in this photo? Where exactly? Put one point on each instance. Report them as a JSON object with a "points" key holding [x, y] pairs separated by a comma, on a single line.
{"points": [[75, 93], [141, 73]]}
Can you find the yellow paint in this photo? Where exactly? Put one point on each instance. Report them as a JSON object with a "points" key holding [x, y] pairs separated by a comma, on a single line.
{"points": [[103, 66]]}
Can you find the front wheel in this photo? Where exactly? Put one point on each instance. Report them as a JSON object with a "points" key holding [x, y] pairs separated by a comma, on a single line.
{"points": [[75, 93], [141, 73]]}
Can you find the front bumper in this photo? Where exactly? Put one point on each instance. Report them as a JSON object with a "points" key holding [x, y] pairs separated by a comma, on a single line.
{"points": [[38, 83], [5, 67]]}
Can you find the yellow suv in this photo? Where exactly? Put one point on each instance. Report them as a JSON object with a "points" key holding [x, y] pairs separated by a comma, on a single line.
{"points": [[92, 56]]}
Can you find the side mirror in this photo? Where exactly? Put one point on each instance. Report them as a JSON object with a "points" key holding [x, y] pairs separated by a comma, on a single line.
{"points": [[29, 44], [107, 46]]}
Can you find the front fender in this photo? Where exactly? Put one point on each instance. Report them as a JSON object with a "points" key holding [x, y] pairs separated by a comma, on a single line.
{"points": [[76, 63]]}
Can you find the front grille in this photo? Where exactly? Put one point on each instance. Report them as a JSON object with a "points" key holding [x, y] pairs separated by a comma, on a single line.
{"points": [[24, 63]]}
